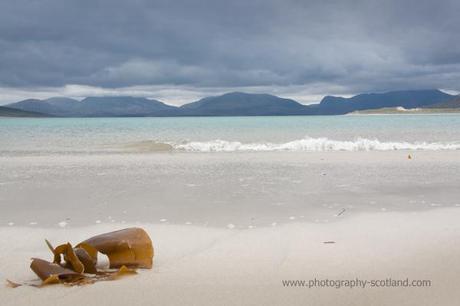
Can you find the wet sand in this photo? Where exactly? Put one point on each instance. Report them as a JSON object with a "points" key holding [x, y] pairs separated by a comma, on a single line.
{"points": [[244, 189]]}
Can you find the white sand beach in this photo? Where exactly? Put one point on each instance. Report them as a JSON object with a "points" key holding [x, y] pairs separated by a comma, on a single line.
{"points": [[195, 265], [229, 228]]}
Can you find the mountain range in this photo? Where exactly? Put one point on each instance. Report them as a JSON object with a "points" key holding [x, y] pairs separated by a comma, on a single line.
{"points": [[12, 112], [232, 104], [95, 107]]}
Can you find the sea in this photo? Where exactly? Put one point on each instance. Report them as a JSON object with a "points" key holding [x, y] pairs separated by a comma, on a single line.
{"points": [[39, 136]]}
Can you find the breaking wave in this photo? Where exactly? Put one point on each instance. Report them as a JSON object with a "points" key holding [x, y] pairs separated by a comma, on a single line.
{"points": [[309, 144]]}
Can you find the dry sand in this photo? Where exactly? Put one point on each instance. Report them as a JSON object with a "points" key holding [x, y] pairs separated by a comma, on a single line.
{"points": [[209, 266]]}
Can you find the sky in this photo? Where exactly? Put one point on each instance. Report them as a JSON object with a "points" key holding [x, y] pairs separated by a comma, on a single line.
{"points": [[179, 51]]}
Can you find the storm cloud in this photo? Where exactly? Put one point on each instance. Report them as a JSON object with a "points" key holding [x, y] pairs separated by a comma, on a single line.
{"points": [[297, 48]]}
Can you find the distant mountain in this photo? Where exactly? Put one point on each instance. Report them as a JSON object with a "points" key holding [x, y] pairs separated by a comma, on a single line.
{"points": [[453, 103], [123, 106], [52, 106], [408, 99], [11, 112], [96, 107], [231, 104], [243, 104]]}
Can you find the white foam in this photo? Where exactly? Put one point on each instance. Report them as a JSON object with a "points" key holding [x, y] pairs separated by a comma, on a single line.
{"points": [[309, 144]]}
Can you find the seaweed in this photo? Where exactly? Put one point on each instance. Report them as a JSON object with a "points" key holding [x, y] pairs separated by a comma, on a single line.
{"points": [[130, 247], [126, 249]]}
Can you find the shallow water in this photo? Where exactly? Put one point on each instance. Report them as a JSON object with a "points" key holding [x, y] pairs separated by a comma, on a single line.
{"points": [[214, 134]]}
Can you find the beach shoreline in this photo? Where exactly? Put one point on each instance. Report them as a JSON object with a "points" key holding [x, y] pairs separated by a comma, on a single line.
{"points": [[218, 189], [229, 228]]}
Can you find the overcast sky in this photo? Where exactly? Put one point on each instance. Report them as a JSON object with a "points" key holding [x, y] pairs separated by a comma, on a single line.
{"points": [[180, 50]]}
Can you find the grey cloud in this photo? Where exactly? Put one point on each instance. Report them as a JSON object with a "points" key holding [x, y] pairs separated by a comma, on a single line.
{"points": [[358, 45]]}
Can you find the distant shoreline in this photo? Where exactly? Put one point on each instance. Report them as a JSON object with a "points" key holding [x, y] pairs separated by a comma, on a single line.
{"points": [[401, 111], [357, 113]]}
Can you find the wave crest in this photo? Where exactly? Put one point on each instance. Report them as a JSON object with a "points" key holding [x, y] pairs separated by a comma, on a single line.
{"points": [[309, 144]]}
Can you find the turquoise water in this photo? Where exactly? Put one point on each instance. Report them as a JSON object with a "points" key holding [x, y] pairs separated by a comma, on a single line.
{"points": [[306, 133]]}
